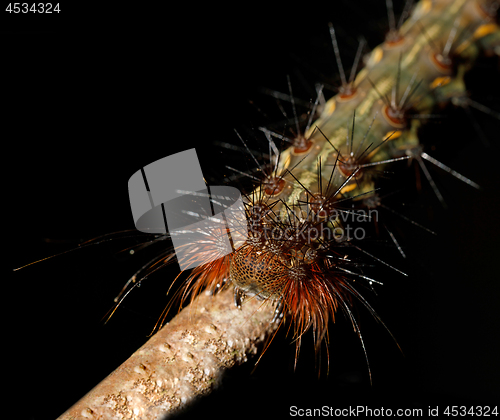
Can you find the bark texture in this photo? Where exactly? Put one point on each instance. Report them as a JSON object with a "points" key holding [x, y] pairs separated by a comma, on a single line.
{"points": [[185, 359]]}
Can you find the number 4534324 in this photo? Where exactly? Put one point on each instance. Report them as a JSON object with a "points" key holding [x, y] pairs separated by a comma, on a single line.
{"points": [[33, 8], [478, 411]]}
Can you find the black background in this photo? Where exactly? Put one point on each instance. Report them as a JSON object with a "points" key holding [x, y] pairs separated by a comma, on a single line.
{"points": [[93, 95]]}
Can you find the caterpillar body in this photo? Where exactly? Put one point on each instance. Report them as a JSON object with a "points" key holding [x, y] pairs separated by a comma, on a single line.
{"points": [[331, 162], [390, 70]]}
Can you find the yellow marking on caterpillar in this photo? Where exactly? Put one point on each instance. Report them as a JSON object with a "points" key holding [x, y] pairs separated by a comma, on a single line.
{"points": [[349, 187], [375, 56], [286, 158], [392, 135], [486, 29], [463, 46], [440, 81], [330, 106]]}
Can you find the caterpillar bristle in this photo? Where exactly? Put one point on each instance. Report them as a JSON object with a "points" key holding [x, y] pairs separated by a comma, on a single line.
{"points": [[287, 258]]}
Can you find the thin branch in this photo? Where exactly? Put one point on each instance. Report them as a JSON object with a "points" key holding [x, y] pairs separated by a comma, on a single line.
{"points": [[183, 361]]}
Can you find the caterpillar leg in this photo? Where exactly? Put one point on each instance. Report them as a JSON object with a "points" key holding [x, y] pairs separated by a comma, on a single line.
{"points": [[238, 297]]}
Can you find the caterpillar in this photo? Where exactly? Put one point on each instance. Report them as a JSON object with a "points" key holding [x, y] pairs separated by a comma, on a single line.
{"points": [[90, 197]]}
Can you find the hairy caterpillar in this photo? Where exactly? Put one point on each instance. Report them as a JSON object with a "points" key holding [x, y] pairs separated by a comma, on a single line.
{"points": [[90, 194]]}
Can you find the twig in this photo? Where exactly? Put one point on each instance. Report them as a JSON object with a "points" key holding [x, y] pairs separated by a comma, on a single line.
{"points": [[184, 360]]}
